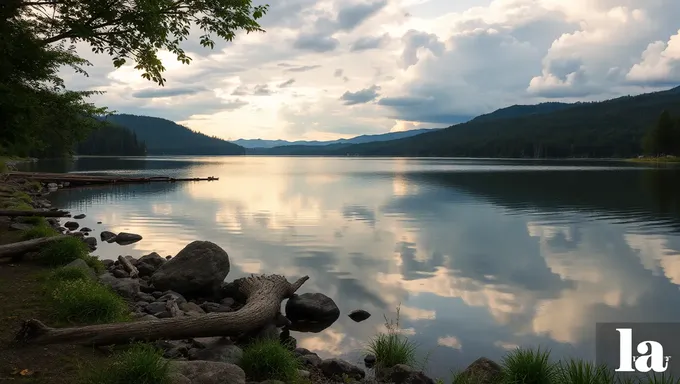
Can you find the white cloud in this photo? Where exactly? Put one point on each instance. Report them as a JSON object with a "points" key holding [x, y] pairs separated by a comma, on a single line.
{"points": [[428, 64]]}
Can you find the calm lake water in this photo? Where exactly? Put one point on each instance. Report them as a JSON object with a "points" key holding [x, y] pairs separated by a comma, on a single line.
{"points": [[482, 255]]}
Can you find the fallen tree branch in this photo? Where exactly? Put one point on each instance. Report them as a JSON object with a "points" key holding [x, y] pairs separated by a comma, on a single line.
{"points": [[20, 247], [263, 293], [128, 266], [18, 213]]}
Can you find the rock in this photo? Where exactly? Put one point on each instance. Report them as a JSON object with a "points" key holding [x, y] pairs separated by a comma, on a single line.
{"points": [[164, 315], [147, 318], [62, 229], [208, 372], [132, 260], [228, 301], [82, 265], [79, 216], [167, 295], [270, 331], [119, 273], [99, 222], [145, 269], [21, 226], [222, 353], [91, 242], [176, 378], [125, 287], [107, 236], [272, 382], [125, 238], [85, 229], [369, 361], [403, 374], [191, 307], [71, 225], [208, 342], [214, 307], [303, 351], [303, 374], [107, 263], [145, 297], [198, 270], [157, 294], [483, 371], [168, 257], [153, 259], [311, 360], [359, 315], [155, 307], [315, 307], [52, 185], [337, 368]]}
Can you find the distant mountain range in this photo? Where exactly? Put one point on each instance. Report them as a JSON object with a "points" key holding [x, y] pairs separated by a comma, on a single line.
{"points": [[260, 143]]}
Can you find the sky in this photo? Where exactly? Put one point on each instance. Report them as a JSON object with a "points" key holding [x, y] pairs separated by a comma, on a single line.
{"points": [[330, 69]]}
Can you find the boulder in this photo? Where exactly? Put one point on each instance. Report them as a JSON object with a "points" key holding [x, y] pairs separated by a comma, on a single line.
{"points": [[125, 238], [214, 307], [153, 259], [208, 372], [338, 368], [483, 371], [359, 315], [107, 263], [198, 270], [91, 242], [155, 307], [120, 274], [82, 265], [403, 374], [85, 229], [125, 287], [71, 225], [191, 307], [369, 360], [107, 236], [79, 216], [223, 353], [167, 295], [314, 307], [145, 269]]}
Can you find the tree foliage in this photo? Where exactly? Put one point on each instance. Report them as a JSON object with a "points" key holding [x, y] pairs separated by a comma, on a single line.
{"points": [[112, 140], [138, 29], [663, 138]]}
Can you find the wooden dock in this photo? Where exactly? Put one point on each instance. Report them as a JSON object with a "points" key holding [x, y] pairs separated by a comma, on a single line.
{"points": [[75, 179]]}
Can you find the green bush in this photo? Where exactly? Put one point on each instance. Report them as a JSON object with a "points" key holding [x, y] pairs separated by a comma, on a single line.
{"points": [[83, 301], [94, 263], [268, 359], [140, 364], [42, 229], [392, 348], [64, 251], [528, 366], [67, 274], [583, 372]]}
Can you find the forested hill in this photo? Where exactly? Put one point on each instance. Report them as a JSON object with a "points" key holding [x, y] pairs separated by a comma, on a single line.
{"points": [[522, 110], [612, 128], [164, 137], [111, 140]]}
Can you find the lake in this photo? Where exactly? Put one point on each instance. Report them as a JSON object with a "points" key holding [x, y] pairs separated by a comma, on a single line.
{"points": [[480, 255]]}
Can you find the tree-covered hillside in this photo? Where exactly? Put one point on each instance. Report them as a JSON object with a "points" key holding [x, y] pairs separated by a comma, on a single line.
{"points": [[164, 137], [612, 128], [112, 140]]}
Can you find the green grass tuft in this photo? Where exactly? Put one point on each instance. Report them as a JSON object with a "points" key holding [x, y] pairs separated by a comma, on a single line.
{"points": [[22, 196], [527, 366], [83, 301], [392, 348], [140, 364], [43, 229], [93, 262], [583, 372], [64, 251], [268, 359], [67, 274]]}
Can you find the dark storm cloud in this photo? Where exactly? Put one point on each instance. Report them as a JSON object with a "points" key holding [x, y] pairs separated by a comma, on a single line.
{"points": [[151, 93], [361, 97], [351, 16]]}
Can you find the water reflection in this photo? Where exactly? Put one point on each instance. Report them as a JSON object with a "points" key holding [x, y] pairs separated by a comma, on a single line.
{"points": [[481, 255]]}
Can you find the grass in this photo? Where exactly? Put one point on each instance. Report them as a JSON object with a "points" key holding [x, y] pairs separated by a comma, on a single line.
{"points": [[42, 229], [529, 366], [67, 274], [268, 359], [82, 301], [94, 263], [64, 251], [140, 364], [391, 348]]}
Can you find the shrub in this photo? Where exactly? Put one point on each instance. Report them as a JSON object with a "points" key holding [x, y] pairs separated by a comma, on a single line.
{"points": [[22, 196], [268, 359], [583, 372], [83, 301], [527, 366], [64, 251], [43, 229], [67, 274], [392, 348], [140, 364], [94, 263]]}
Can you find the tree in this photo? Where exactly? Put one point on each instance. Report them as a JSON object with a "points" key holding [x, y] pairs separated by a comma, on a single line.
{"points": [[661, 138], [137, 29]]}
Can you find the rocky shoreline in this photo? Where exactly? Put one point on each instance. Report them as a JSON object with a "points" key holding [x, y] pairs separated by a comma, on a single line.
{"points": [[193, 284]]}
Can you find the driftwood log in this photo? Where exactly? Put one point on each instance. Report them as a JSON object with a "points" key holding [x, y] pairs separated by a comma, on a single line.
{"points": [[21, 247], [131, 269], [263, 294], [18, 213]]}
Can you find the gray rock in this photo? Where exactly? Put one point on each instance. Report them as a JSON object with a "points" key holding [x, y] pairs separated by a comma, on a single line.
{"points": [[52, 185], [337, 368], [21, 226], [270, 331], [369, 361], [214, 307], [147, 318], [91, 242], [403, 374], [315, 307], [198, 270], [145, 269], [303, 374], [176, 378], [209, 372], [82, 265], [167, 295], [71, 225], [191, 307], [126, 287], [311, 360], [132, 260], [155, 307], [228, 301], [208, 342], [145, 297], [303, 351], [107, 263], [222, 353], [157, 294], [85, 229], [119, 273], [482, 371], [163, 315], [359, 315], [125, 238], [107, 236], [79, 216], [153, 259]]}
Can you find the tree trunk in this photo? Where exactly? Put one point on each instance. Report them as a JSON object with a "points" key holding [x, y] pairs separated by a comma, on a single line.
{"points": [[20, 247], [128, 266], [263, 294], [17, 213]]}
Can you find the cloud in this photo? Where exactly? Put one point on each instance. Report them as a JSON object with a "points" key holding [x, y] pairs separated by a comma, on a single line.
{"points": [[286, 83], [351, 16], [262, 90], [303, 68], [337, 73], [150, 93], [362, 96], [370, 42], [660, 64], [317, 42]]}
